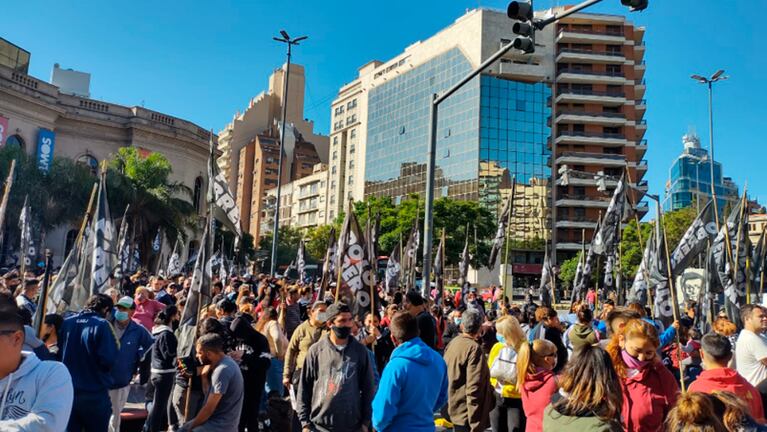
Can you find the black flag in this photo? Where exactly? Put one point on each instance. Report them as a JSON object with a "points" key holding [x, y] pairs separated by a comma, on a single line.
{"points": [[174, 263], [463, 270], [500, 233], [27, 249], [104, 253], [223, 205], [301, 262], [198, 293], [588, 265], [701, 232], [547, 280], [355, 267], [607, 238], [439, 269], [410, 257], [329, 265], [731, 265], [392, 270], [639, 288]]}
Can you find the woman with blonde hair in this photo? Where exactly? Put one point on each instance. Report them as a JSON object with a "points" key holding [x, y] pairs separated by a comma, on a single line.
{"points": [[649, 389], [693, 412], [591, 398], [278, 345], [536, 380], [507, 415]]}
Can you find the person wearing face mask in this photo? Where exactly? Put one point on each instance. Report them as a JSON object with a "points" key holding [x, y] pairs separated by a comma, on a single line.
{"points": [[649, 389], [453, 327], [50, 332], [223, 385], [27, 298], [337, 384], [147, 308], [135, 343], [398, 404], [536, 380], [89, 349], [305, 335], [470, 396], [507, 415]]}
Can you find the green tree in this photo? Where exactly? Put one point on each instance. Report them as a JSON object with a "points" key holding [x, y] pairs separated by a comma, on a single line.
{"points": [[567, 270], [317, 243], [155, 201], [287, 245]]}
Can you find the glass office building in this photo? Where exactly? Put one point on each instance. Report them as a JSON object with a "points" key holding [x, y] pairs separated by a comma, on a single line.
{"points": [[490, 131], [690, 179]]}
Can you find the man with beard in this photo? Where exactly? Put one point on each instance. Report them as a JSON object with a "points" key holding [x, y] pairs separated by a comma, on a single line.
{"points": [[223, 386]]}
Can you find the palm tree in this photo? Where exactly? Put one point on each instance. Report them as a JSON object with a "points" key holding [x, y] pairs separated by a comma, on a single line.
{"points": [[155, 201]]}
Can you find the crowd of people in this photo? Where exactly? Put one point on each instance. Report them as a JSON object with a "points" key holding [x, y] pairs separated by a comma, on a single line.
{"points": [[273, 354]]}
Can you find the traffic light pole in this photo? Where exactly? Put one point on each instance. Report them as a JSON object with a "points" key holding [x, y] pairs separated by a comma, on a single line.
{"points": [[428, 234]]}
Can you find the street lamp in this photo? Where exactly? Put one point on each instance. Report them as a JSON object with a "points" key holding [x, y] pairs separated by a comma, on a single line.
{"points": [[716, 77], [285, 38]]}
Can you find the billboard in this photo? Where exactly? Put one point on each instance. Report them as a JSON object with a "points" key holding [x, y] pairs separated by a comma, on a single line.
{"points": [[46, 140]]}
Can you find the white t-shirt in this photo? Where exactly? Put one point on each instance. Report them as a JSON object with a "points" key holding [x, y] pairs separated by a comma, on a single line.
{"points": [[750, 349]]}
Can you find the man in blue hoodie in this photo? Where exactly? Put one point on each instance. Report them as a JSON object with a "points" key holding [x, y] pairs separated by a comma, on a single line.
{"points": [[414, 383], [89, 349], [135, 344]]}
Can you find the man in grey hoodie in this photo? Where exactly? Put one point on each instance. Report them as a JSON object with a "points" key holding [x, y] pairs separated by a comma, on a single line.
{"points": [[35, 396], [336, 387]]}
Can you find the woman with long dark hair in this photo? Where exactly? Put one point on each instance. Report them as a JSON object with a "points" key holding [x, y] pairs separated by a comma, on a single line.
{"points": [[163, 369], [593, 392]]}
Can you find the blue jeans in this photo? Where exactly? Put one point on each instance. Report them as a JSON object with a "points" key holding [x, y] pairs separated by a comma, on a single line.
{"points": [[273, 381]]}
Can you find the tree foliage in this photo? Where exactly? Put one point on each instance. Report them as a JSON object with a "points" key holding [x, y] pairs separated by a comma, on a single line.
{"points": [[287, 245], [567, 270]]}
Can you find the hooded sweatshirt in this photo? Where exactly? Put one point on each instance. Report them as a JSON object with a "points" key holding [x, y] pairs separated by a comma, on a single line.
{"points": [[412, 388], [36, 397], [581, 335], [536, 395], [648, 397], [336, 387], [726, 379]]}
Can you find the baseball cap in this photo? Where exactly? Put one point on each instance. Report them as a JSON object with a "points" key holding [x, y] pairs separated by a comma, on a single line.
{"points": [[125, 302]]}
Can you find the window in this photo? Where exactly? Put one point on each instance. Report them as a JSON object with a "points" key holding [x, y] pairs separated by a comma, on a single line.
{"points": [[351, 149], [70, 241], [402, 130], [335, 155], [197, 195], [332, 184], [614, 49], [193, 245], [15, 140], [353, 134], [351, 180], [613, 69], [352, 104], [89, 162], [351, 163], [335, 140], [351, 119], [333, 169]]}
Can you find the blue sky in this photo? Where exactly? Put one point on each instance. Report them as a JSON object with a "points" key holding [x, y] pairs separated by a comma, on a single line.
{"points": [[203, 61]]}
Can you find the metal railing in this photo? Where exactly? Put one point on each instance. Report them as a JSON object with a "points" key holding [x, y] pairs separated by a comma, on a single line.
{"points": [[594, 73], [590, 134], [592, 114], [606, 156], [590, 31], [590, 52], [586, 92]]}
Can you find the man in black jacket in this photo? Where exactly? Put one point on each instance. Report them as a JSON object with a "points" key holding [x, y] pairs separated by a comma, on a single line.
{"points": [[416, 306], [252, 349]]}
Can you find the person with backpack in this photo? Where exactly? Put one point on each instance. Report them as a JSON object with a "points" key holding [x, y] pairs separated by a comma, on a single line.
{"points": [[507, 415]]}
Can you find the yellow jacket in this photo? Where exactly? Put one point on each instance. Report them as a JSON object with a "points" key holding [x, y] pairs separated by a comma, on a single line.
{"points": [[506, 390]]}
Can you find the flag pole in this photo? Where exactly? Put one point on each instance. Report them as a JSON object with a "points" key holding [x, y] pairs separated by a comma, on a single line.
{"points": [[508, 228], [737, 246], [599, 264], [674, 303], [4, 203], [43, 300]]}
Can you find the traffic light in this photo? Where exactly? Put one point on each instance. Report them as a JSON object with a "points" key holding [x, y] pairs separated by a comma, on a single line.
{"points": [[564, 175], [522, 12], [635, 5], [601, 181]]}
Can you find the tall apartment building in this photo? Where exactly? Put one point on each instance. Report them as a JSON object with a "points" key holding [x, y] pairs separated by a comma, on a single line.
{"points": [[303, 202], [258, 172], [598, 111], [262, 116], [577, 101], [690, 179]]}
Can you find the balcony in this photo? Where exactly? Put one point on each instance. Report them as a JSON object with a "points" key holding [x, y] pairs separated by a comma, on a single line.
{"points": [[600, 118], [590, 77], [640, 166], [640, 88], [642, 124], [570, 55], [573, 200], [569, 35], [571, 95], [576, 223], [582, 158], [641, 146], [640, 105], [604, 139]]}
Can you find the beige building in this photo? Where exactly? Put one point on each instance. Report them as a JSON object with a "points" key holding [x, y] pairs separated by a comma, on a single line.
{"points": [[303, 202], [90, 131], [756, 224], [262, 116]]}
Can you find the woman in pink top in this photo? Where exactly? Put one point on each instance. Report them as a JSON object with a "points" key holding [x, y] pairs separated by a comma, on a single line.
{"points": [[147, 308]]}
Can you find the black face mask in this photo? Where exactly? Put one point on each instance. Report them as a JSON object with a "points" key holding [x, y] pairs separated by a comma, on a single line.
{"points": [[341, 332]]}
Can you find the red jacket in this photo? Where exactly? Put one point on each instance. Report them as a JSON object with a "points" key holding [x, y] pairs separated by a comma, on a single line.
{"points": [[536, 396], [648, 396], [726, 379]]}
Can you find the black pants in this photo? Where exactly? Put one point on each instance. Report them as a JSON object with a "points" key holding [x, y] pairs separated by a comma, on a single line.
{"points": [[762, 387], [507, 415], [251, 399], [157, 419]]}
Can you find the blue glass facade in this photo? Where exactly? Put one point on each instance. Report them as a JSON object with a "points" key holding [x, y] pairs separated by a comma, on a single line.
{"points": [[690, 181], [490, 130]]}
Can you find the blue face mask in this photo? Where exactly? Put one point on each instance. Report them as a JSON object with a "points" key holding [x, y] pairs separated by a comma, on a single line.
{"points": [[120, 315], [457, 321], [500, 338]]}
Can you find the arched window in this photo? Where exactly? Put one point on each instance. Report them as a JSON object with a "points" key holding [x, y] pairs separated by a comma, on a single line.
{"points": [[15, 141], [70, 241], [193, 245], [197, 197], [89, 162]]}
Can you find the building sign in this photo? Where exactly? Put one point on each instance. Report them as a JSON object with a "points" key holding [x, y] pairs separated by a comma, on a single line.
{"points": [[45, 143], [3, 129]]}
